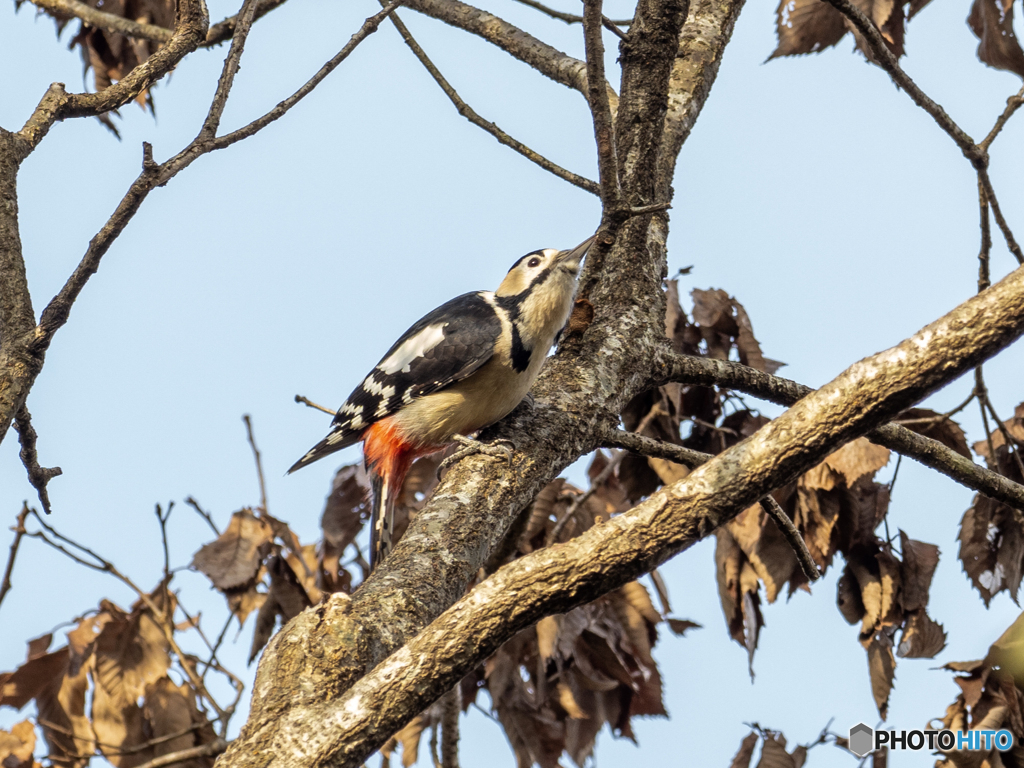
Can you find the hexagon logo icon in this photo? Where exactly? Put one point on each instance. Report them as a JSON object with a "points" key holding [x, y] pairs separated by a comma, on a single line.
{"points": [[862, 737]]}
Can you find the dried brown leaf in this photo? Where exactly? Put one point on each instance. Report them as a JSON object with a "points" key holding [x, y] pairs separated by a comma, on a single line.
{"points": [[882, 669], [286, 599], [857, 459], [680, 626], [233, 559], [848, 598], [922, 637], [919, 563], [992, 547], [17, 745], [746, 751], [547, 637], [992, 23], [774, 754]]}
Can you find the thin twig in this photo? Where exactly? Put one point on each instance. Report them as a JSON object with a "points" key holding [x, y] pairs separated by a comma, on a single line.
{"points": [[162, 519], [311, 404], [451, 707], [19, 531], [37, 476], [470, 114], [571, 18], [215, 747], [792, 537], [600, 108], [369, 27], [227, 75], [1009, 440], [203, 514], [984, 278], [1012, 105], [990, 195], [259, 463]]}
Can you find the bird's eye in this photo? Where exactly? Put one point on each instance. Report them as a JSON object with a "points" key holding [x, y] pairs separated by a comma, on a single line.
{"points": [[534, 262]]}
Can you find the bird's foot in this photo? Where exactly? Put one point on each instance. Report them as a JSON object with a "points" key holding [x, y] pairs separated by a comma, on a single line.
{"points": [[501, 449]]}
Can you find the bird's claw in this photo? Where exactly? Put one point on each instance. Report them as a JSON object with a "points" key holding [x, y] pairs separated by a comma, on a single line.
{"points": [[501, 449]]}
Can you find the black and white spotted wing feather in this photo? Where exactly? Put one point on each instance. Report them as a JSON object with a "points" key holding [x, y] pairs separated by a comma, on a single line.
{"points": [[443, 347]]}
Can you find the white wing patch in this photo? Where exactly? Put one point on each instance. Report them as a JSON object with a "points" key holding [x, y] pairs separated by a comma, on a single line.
{"points": [[412, 348]]}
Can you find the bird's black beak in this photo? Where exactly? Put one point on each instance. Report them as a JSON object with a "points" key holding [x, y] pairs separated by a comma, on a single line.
{"points": [[574, 256]]}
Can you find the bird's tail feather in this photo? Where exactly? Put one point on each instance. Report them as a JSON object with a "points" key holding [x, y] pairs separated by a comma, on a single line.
{"points": [[335, 441], [382, 519]]}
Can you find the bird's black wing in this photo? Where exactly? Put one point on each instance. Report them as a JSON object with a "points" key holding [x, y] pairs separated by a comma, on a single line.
{"points": [[443, 347]]}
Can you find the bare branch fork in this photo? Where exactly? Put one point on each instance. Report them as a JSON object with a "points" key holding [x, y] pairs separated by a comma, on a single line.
{"points": [[22, 341], [977, 154]]}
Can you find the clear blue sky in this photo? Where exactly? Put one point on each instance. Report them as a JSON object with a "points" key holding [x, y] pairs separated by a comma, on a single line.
{"points": [[811, 189]]}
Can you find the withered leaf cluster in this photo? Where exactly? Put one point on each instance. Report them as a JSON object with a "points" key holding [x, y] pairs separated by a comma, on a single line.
{"points": [[992, 533], [810, 26], [117, 662], [773, 751], [109, 55], [991, 698], [836, 506], [258, 564]]}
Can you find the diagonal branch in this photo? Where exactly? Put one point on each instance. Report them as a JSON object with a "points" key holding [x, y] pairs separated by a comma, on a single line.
{"points": [[470, 114], [709, 372], [990, 196], [547, 60], [888, 61], [658, 449], [19, 532], [554, 580]]}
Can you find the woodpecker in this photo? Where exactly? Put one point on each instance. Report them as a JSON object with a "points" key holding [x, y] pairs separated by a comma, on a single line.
{"points": [[457, 370]]}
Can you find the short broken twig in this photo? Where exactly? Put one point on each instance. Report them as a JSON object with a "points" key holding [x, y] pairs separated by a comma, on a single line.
{"points": [[311, 404], [259, 463], [37, 476]]}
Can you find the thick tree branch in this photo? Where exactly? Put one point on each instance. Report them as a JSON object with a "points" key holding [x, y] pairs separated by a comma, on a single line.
{"points": [[707, 31], [554, 580], [470, 114], [775, 389]]}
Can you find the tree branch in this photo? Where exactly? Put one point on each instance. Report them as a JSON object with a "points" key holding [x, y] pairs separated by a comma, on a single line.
{"points": [[542, 57], [554, 580], [470, 114], [887, 60], [646, 446], [19, 532], [571, 18], [37, 476], [600, 109], [709, 372], [990, 195], [215, 747]]}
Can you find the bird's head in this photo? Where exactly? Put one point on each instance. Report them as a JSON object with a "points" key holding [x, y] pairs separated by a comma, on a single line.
{"points": [[549, 265]]}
